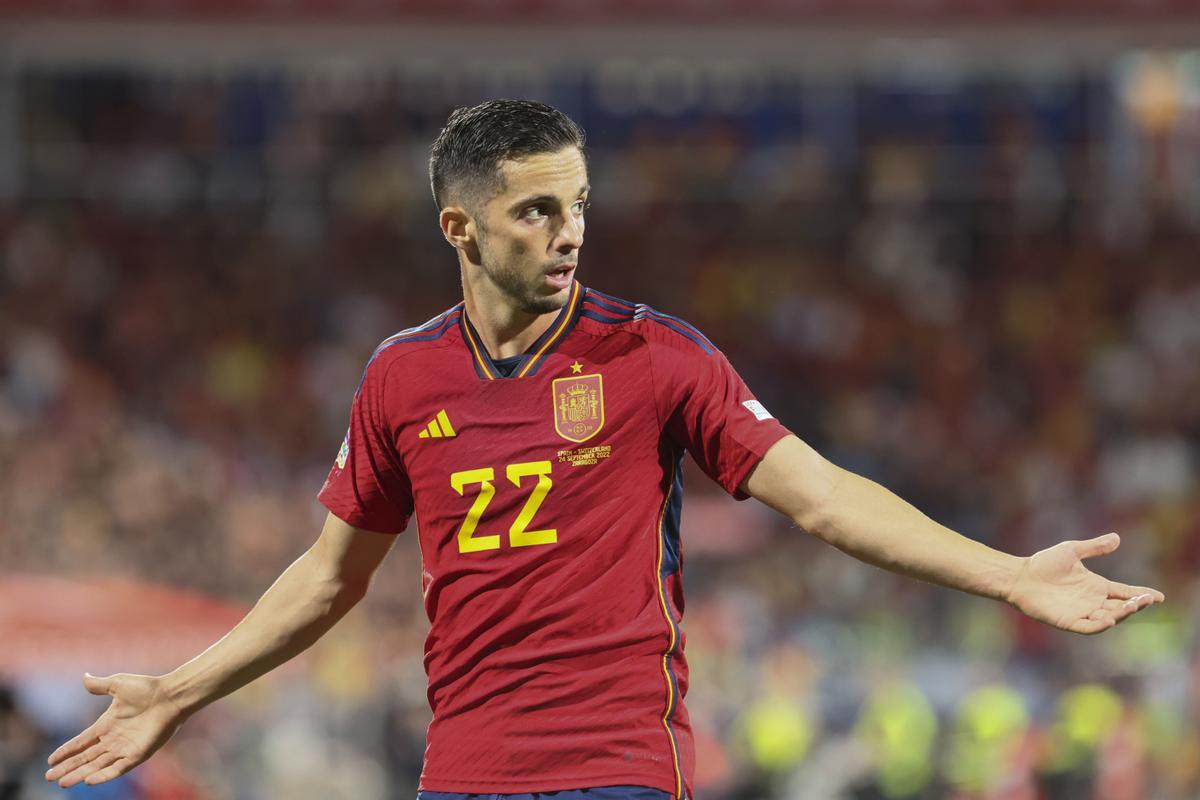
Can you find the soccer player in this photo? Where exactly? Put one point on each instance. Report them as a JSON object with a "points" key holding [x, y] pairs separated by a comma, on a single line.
{"points": [[536, 430]]}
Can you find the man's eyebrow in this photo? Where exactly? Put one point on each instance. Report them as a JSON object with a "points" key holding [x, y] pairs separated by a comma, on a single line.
{"points": [[539, 198]]}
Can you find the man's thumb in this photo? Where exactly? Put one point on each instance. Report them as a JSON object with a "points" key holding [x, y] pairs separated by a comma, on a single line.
{"points": [[96, 685], [1101, 545]]}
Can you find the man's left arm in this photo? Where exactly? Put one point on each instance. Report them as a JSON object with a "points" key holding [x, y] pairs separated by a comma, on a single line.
{"points": [[865, 520]]}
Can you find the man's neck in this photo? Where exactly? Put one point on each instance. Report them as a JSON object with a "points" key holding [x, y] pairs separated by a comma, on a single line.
{"points": [[504, 329]]}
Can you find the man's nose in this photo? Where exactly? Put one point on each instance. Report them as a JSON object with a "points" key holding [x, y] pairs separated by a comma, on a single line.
{"points": [[570, 235]]}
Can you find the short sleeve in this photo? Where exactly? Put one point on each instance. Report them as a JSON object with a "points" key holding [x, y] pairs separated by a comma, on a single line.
{"points": [[707, 408], [367, 486]]}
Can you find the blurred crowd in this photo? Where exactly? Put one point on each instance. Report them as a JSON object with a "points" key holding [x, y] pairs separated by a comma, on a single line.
{"points": [[985, 296]]}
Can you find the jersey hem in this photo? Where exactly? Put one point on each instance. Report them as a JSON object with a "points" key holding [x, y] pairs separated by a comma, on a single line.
{"points": [[500, 786], [352, 519]]}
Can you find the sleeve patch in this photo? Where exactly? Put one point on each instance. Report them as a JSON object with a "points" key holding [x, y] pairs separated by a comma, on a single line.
{"points": [[756, 408], [344, 453]]}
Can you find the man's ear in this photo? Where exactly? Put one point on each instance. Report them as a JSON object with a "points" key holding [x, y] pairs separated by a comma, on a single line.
{"points": [[457, 227]]}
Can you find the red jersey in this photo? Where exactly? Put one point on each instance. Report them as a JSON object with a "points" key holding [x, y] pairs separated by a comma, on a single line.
{"points": [[547, 508]]}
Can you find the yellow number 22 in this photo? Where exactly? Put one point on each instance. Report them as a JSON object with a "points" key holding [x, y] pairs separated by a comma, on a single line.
{"points": [[518, 533]]}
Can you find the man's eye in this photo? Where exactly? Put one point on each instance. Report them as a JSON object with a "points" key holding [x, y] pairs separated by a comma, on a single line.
{"points": [[582, 206], [535, 212]]}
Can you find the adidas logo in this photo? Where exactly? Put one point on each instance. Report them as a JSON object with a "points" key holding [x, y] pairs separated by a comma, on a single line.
{"points": [[438, 427]]}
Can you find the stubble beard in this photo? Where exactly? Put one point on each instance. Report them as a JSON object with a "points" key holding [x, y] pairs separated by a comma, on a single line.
{"points": [[515, 285]]}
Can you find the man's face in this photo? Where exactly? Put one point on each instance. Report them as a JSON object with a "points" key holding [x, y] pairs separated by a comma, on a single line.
{"points": [[529, 234]]}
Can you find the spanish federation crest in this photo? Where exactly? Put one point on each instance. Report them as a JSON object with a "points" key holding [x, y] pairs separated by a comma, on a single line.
{"points": [[578, 406]]}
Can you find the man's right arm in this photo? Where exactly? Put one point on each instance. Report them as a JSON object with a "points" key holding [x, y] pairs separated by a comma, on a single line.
{"points": [[304, 602]]}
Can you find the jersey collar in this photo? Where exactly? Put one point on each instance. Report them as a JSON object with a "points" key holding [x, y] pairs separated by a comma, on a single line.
{"points": [[537, 352]]}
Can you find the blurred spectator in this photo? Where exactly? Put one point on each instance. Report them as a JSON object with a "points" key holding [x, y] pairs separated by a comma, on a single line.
{"points": [[925, 284], [21, 744]]}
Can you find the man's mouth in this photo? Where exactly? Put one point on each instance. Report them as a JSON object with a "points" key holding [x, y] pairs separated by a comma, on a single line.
{"points": [[560, 277]]}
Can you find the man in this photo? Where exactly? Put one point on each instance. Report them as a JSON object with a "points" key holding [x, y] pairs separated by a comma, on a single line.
{"points": [[536, 430]]}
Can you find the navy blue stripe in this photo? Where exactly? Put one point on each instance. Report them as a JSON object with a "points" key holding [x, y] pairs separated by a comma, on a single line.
{"points": [[596, 316], [391, 341], [689, 330], [427, 325], [642, 307], [614, 299], [674, 688], [671, 563], [447, 324], [639, 307], [426, 337], [625, 312], [670, 531], [599, 308], [702, 342], [684, 323]]}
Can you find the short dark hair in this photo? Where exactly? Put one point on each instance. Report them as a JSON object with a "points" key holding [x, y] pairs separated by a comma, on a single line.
{"points": [[467, 154]]}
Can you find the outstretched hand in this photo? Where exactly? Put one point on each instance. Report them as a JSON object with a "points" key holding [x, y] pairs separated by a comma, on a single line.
{"points": [[140, 720], [1055, 587]]}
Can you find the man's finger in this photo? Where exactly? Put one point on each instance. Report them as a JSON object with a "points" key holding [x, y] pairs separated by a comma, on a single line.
{"points": [[1135, 605], [1100, 546], [74, 762], [1124, 591], [96, 685], [1129, 608], [118, 768], [1090, 625], [82, 772], [74, 746], [1155, 595]]}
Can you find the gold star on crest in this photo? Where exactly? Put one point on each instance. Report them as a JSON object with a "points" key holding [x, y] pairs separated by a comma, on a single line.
{"points": [[576, 368]]}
